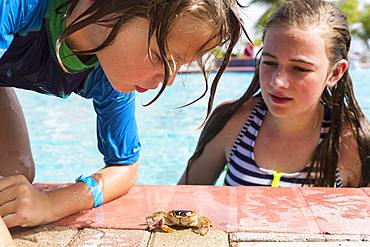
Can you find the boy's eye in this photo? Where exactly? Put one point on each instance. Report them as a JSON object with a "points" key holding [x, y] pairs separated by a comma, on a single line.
{"points": [[301, 69], [157, 58]]}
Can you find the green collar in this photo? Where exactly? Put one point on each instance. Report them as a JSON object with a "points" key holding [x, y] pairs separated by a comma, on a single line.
{"points": [[56, 25]]}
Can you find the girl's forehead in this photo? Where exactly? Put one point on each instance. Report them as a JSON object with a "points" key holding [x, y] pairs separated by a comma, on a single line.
{"points": [[305, 36], [293, 42]]}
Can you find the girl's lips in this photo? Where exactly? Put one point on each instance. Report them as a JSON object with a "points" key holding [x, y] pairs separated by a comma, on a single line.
{"points": [[141, 90], [280, 99]]}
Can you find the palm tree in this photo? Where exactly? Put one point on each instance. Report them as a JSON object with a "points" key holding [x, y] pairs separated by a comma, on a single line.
{"points": [[272, 5]]}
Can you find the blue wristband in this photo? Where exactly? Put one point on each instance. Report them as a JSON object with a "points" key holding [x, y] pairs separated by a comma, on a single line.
{"points": [[94, 188]]}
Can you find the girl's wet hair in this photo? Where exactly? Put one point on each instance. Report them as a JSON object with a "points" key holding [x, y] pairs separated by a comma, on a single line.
{"points": [[345, 111], [221, 15]]}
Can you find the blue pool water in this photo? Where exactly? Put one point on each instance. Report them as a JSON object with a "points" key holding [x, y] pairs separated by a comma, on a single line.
{"points": [[63, 140]]}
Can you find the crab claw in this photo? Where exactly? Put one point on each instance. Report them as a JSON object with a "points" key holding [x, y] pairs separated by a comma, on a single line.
{"points": [[152, 224], [167, 229], [204, 226]]}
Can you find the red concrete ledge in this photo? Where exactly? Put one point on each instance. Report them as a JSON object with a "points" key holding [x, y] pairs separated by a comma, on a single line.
{"points": [[343, 211]]}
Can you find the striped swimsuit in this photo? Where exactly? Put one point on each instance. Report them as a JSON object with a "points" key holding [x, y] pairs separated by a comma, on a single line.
{"points": [[243, 170]]}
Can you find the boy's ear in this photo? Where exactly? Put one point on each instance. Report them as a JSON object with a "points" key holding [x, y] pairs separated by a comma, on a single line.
{"points": [[337, 72]]}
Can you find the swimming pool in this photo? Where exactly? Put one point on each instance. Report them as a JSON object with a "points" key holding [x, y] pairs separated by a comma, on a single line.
{"points": [[63, 137]]}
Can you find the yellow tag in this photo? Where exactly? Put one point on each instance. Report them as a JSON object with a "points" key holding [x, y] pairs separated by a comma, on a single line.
{"points": [[276, 179]]}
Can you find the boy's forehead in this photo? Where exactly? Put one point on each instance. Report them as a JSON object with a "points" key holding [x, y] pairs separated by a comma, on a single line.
{"points": [[190, 38]]}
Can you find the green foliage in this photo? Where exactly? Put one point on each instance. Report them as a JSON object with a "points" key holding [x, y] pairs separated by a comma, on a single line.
{"points": [[257, 42], [218, 53], [350, 8], [272, 5], [363, 29], [358, 19]]}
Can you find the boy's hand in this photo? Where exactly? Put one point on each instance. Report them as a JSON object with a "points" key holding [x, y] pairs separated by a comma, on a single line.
{"points": [[5, 237], [21, 204]]}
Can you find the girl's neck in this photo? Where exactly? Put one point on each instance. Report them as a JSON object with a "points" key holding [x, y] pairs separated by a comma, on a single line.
{"points": [[302, 124]]}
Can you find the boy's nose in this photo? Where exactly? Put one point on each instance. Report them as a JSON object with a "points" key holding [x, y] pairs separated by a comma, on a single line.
{"points": [[171, 78]]}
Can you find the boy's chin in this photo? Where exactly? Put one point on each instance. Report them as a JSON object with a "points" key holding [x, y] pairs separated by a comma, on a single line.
{"points": [[140, 89], [125, 88]]}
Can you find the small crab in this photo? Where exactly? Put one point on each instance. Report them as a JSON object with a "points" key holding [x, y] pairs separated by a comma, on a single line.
{"points": [[186, 218]]}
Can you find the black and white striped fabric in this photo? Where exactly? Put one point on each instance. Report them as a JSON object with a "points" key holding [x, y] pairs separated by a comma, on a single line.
{"points": [[243, 169]]}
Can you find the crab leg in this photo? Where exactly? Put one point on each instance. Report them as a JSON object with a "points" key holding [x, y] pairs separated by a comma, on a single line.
{"points": [[164, 227]]}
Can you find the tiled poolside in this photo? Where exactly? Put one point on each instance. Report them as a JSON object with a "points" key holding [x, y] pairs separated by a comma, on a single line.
{"points": [[241, 216]]}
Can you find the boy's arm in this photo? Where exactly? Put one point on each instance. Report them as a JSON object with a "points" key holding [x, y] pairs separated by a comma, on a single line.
{"points": [[22, 205], [115, 181]]}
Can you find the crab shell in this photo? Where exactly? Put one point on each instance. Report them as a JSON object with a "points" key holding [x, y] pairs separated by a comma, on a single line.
{"points": [[186, 218]]}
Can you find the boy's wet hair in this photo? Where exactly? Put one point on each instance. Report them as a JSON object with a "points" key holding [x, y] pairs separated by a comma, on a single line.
{"points": [[345, 111], [162, 15]]}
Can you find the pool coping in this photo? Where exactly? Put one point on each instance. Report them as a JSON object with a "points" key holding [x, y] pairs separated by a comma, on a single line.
{"points": [[240, 216]]}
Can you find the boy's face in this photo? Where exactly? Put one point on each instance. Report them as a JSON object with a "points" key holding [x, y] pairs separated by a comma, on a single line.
{"points": [[128, 66]]}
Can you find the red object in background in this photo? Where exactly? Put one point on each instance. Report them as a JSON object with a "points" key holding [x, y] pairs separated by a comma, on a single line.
{"points": [[248, 50]]}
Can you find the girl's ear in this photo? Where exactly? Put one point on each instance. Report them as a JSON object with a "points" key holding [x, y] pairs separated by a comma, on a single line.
{"points": [[337, 72]]}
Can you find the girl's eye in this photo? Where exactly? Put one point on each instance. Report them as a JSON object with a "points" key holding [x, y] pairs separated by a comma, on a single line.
{"points": [[269, 63], [301, 69]]}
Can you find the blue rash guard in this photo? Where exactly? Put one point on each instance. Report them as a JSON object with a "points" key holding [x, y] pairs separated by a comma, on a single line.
{"points": [[28, 61]]}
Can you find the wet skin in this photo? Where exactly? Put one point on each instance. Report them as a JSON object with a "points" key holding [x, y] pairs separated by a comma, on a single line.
{"points": [[126, 62]]}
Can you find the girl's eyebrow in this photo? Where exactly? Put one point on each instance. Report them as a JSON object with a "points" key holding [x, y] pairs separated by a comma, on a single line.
{"points": [[299, 59], [264, 53]]}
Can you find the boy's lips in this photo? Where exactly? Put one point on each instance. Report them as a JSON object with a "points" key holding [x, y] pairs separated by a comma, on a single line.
{"points": [[140, 89]]}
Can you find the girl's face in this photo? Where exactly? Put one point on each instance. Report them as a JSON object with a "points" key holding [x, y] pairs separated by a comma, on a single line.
{"points": [[294, 70], [127, 64]]}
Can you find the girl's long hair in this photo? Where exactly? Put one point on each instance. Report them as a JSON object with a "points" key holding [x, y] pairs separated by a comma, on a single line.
{"points": [[344, 108], [220, 15]]}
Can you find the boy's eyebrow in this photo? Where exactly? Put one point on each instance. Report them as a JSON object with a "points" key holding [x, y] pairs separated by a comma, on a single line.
{"points": [[298, 59], [178, 57]]}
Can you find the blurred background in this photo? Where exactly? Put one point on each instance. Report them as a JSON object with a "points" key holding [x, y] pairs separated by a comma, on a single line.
{"points": [[63, 131]]}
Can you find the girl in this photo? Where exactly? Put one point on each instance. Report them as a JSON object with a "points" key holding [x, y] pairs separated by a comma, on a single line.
{"points": [[299, 122], [104, 50]]}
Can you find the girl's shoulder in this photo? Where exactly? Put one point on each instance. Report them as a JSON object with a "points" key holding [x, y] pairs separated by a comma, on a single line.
{"points": [[246, 109], [238, 119]]}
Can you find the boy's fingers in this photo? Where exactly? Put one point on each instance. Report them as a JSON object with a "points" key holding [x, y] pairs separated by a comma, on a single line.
{"points": [[6, 210], [11, 220], [7, 195], [6, 182]]}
